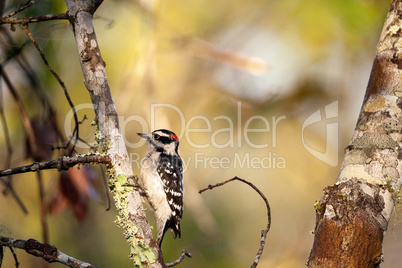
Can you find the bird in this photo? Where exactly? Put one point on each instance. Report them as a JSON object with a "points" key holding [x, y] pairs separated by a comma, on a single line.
{"points": [[161, 177]]}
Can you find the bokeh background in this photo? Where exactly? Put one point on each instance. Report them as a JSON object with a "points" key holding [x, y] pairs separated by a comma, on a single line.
{"points": [[216, 69]]}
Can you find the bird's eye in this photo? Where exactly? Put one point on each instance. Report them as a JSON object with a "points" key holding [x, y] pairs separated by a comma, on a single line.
{"points": [[156, 136]]}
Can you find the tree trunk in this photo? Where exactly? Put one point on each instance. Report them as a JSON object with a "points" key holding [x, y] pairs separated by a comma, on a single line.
{"points": [[353, 214], [131, 218]]}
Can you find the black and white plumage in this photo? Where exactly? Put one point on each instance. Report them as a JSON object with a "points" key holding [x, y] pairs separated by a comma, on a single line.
{"points": [[162, 179]]}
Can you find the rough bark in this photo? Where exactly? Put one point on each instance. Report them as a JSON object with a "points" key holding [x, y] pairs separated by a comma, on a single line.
{"points": [[353, 214], [45, 251], [131, 216]]}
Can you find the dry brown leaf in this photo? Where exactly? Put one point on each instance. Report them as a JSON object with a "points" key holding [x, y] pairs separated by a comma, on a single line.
{"points": [[73, 190]]}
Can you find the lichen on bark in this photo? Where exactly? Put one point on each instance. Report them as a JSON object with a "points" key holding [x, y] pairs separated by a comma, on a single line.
{"points": [[355, 211], [131, 215]]}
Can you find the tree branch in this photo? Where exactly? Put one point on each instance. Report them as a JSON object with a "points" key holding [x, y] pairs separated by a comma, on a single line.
{"points": [[58, 16], [180, 259], [263, 232], [42, 209], [8, 181], [63, 86], [353, 215], [28, 4], [17, 264], [26, 123], [61, 163], [132, 218], [45, 251]]}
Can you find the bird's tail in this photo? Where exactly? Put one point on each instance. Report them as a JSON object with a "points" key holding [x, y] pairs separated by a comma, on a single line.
{"points": [[174, 226]]}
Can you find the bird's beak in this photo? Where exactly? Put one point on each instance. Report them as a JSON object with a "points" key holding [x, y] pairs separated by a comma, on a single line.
{"points": [[144, 135]]}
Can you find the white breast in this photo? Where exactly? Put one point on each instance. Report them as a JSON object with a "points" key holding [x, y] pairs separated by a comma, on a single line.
{"points": [[152, 183]]}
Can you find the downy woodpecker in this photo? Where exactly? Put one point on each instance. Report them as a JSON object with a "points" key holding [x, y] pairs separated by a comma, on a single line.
{"points": [[162, 179]]}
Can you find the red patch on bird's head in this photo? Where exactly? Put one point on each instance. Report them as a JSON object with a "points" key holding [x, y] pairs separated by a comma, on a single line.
{"points": [[174, 137]]}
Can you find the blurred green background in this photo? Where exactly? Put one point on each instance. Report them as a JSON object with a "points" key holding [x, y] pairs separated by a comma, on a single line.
{"points": [[223, 67]]}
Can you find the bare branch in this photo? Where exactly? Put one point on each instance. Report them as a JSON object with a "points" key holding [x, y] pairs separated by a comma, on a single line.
{"points": [[47, 252], [24, 117], [8, 181], [180, 259], [28, 4], [14, 52], [353, 215], [263, 232], [17, 264], [132, 217], [42, 209], [61, 163], [58, 16], [26, 29], [94, 6], [14, 194], [5, 129]]}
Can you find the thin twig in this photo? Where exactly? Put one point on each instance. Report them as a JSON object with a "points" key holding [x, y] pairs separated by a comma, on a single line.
{"points": [[105, 184], [58, 16], [28, 4], [263, 232], [61, 163], [180, 259], [15, 53], [50, 68], [10, 188], [26, 123], [24, 117], [17, 264], [74, 134], [42, 209], [14, 49], [65, 147], [4, 124], [5, 129], [47, 252], [15, 195], [8, 182]]}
